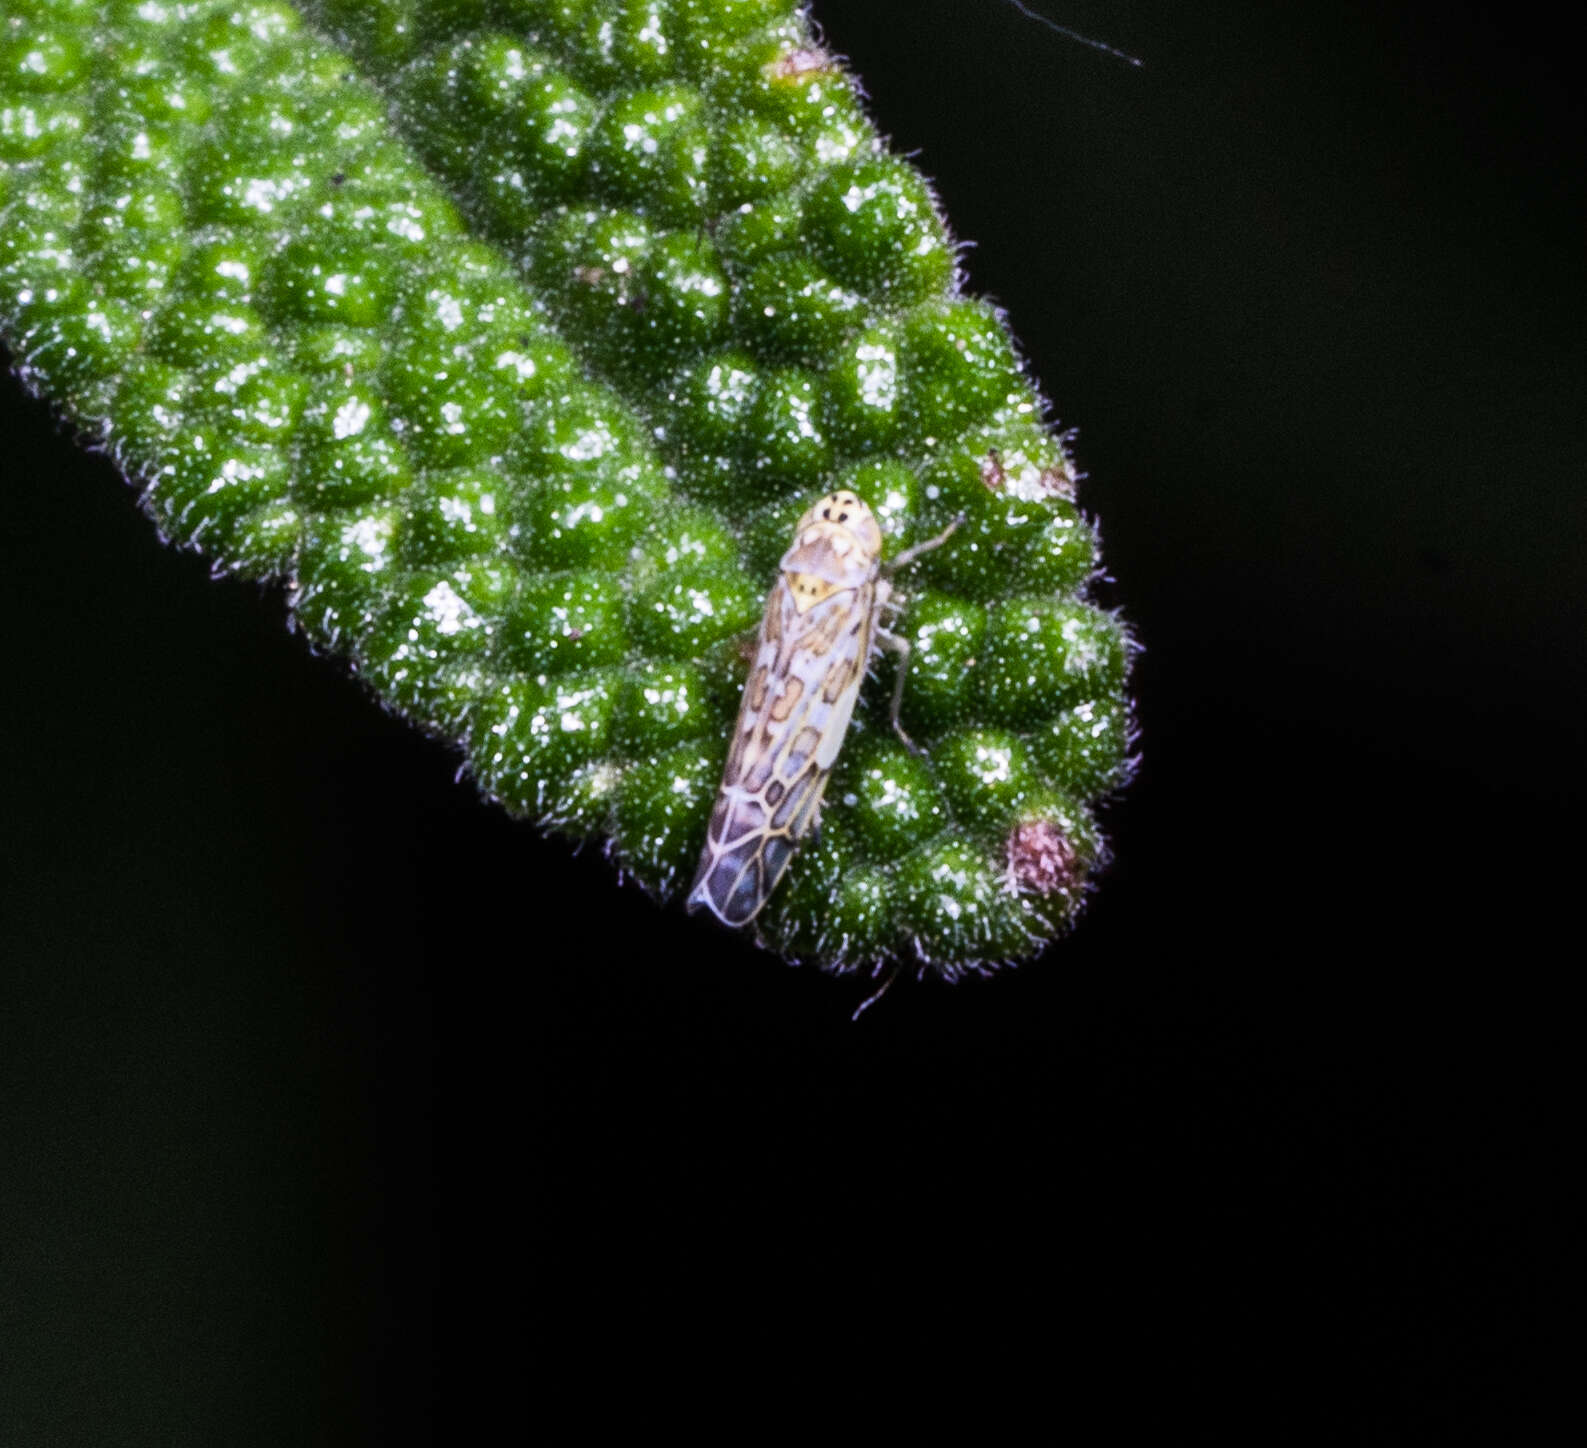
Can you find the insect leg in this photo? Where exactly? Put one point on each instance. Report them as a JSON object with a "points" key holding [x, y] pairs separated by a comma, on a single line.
{"points": [[900, 646], [901, 649], [909, 555]]}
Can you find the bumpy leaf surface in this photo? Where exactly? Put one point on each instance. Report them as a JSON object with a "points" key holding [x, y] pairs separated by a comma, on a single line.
{"points": [[515, 334]]}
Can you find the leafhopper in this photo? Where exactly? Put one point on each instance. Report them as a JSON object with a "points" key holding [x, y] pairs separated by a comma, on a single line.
{"points": [[823, 622]]}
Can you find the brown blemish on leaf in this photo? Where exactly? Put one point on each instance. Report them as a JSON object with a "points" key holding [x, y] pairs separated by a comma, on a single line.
{"points": [[1059, 480]]}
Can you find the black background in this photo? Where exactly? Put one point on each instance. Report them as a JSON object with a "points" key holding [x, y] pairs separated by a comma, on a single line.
{"points": [[339, 1109]]}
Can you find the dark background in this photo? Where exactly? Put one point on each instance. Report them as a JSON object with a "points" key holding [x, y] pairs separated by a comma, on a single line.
{"points": [[339, 1109]]}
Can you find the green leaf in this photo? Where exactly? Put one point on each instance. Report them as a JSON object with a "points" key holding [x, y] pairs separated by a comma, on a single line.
{"points": [[515, 335]]}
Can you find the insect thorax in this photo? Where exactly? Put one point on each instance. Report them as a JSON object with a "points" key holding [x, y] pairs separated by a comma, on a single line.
{"points": [[831, 554]]}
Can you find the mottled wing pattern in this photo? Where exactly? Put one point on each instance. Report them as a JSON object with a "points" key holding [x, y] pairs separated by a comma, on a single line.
{"points": [[796, 707]]}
